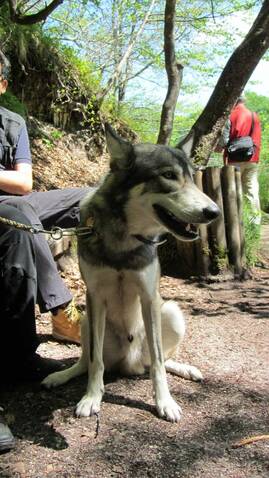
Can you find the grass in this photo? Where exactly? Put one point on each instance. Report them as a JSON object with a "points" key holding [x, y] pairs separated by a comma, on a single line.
{"points": [[252, 234]]}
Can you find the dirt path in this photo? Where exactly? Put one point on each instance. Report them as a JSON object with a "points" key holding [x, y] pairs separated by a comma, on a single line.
{"points": [[227, 339]]}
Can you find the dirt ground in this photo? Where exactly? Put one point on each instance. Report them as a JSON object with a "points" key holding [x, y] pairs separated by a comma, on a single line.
{"points": [[227, 338]]}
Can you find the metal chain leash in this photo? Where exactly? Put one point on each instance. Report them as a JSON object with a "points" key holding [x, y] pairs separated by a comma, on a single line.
{"points": [[55, 233]]}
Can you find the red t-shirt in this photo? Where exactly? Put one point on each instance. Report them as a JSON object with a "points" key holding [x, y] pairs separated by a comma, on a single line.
{"points": [[241, 125]]}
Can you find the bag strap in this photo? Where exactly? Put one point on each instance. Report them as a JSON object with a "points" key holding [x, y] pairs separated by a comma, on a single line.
{"points": [[252, 124]]}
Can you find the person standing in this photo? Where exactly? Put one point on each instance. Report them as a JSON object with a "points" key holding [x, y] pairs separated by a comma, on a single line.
{"points": [[243, 122]]}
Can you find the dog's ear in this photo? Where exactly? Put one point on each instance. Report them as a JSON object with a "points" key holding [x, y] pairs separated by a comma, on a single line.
{"points": [[120, 150], [186, 144]]}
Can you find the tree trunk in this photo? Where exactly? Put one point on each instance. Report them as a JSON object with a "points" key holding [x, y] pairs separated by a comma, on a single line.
{"points": [[205, 132], [174, 74]]}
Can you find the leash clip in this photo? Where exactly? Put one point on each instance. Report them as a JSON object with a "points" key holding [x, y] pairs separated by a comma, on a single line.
{"points": [[56, 233]]}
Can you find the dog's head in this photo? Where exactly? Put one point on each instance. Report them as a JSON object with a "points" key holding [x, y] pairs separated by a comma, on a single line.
{"points": [[157, 183]]}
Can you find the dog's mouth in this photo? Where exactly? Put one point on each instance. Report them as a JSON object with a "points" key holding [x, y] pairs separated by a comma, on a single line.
{"points": [[174, 225]]}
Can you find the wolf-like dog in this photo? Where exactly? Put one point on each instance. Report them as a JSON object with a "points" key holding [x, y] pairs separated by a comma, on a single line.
{"points": [[148, 191]]}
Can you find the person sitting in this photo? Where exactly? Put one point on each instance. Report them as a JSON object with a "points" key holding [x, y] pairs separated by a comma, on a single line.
{"points": [[28, 272]]}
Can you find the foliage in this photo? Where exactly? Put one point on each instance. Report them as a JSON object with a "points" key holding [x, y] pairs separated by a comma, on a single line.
{"points": [[30, 12], [16, 38], [252, 235], [93, 36], [87, 73], [65, 85], [20, 43], [144, 119], [11, 102], [52, 138], [102, 33]]}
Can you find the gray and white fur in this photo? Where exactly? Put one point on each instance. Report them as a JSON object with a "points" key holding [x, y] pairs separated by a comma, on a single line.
{"points": [[149, 191]]}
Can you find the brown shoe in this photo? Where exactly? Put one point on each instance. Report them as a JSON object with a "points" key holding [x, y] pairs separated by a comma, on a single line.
{"points": [[66, 324]]}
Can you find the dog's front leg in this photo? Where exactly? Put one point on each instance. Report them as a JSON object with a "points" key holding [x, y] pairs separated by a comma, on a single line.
{"points": [[90, 403], [166, 405]]}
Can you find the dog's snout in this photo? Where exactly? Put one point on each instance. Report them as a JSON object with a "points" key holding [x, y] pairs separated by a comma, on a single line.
{"points": [[211, 212]]}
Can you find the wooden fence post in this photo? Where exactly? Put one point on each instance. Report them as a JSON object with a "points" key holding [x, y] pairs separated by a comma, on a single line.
{"points": [[217, 227], [231, 217], [201, 245], [239, 196]]}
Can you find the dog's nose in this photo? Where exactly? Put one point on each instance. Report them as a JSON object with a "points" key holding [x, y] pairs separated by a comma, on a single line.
{"points": [[211, 212]]}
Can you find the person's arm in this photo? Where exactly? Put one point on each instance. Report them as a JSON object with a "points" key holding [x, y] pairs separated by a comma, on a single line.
{"points": [[17, 181]]}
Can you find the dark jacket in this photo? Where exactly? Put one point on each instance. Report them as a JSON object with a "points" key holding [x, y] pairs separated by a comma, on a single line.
{"points": [[11, 125]]}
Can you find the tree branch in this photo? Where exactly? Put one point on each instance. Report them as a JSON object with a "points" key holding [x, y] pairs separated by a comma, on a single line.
{"points": [[22, 19], [174, 73], [114, 77]]}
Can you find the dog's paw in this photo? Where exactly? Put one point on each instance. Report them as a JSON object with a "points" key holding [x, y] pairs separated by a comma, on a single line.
{"points": [[88, 406], [189, 372], [54, 379], [169, 409], [194, 373]]}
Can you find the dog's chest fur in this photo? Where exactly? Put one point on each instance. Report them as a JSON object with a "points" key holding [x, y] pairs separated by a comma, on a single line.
{"points": [[119, 291]]}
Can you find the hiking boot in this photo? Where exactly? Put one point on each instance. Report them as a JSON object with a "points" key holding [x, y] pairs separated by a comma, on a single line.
{"points": [[66, 324], [7, 440]]}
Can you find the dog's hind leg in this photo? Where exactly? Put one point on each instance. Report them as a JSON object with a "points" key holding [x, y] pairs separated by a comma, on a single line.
{"points": [[173, 331], [80, 367]]}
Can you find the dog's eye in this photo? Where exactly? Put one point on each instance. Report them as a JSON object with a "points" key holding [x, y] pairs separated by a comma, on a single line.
{"points": [[169, 175]]}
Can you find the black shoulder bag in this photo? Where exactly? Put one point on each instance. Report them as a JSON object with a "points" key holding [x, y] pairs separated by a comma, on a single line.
{"points": [[243, 148]]}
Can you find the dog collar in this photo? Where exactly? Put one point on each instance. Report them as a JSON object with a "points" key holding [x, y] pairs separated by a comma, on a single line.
{"points": [[156, 241], [153, 241]]}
